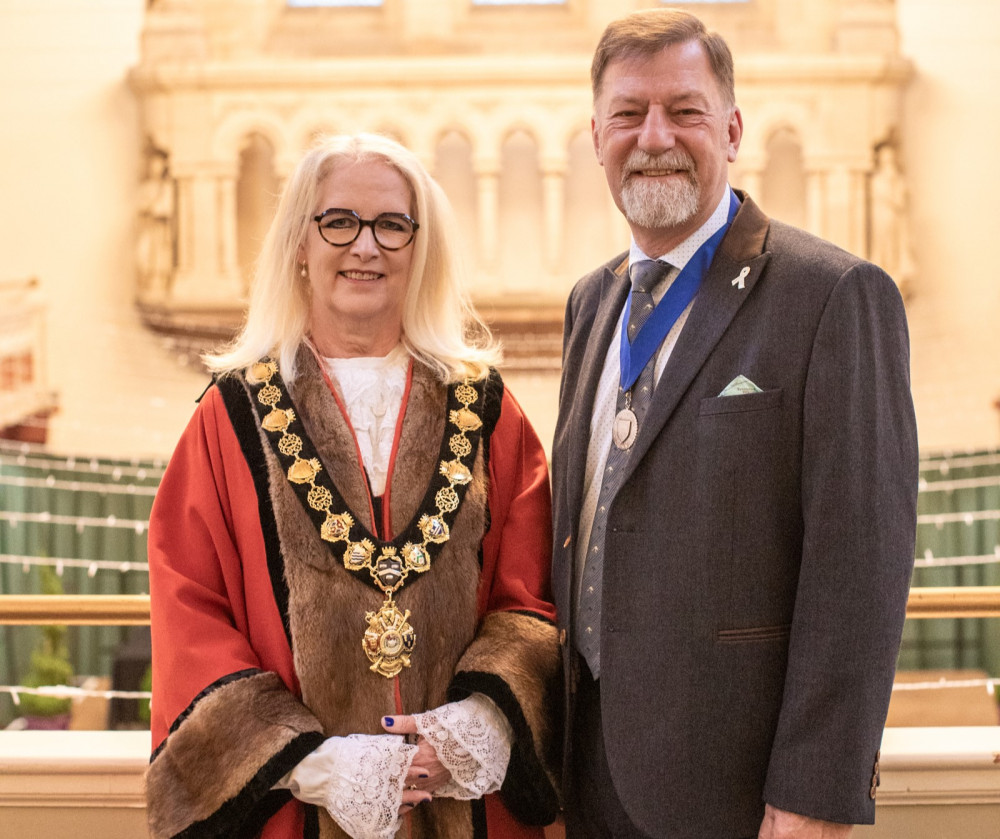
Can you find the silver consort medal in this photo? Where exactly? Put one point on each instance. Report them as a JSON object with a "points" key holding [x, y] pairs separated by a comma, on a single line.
{"points": [[625, 427]]}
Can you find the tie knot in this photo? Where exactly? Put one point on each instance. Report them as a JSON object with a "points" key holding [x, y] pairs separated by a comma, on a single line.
{"points": [[646, 274]]}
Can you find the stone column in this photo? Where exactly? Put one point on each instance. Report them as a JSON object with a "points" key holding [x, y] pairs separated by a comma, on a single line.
{"points": [[227, 236], [816, 201], [183, 279], [554, 215], [200, 280], [488, 198], [840, 208], [751, 182], [858, 197]]}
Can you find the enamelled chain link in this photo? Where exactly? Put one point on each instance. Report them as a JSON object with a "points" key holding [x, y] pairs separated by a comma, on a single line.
{"points": [[389, 639]]}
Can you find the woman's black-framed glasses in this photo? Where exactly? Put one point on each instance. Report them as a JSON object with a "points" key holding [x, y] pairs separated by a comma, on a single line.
{"points": [[340, 227]]}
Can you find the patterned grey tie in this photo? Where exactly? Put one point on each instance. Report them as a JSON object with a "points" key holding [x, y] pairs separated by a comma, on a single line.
{"points": [[645, 276]]}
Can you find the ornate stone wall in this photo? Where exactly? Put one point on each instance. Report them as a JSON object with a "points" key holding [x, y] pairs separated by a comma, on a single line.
{"points": [[496, 101]]}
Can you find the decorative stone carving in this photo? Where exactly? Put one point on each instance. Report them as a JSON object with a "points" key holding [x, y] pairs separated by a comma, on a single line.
{"points": [[155, 239], [888, 233]]}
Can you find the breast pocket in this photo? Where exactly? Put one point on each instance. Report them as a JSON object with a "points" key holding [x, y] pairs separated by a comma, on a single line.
{"points": [[765, 400], [739, 429]]}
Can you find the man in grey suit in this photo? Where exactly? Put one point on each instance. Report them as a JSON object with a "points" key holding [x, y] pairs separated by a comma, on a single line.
{"points": [[735, 473]]}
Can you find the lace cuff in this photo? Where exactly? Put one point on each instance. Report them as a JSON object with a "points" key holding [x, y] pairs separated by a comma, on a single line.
{"points": [[358, 780], [472, 739]]}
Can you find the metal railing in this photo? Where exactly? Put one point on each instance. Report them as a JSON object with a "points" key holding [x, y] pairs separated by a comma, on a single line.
{"points": [[133, 609]]}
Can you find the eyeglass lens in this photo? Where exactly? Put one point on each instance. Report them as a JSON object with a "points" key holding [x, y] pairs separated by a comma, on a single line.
{"points": [[341, 227]]}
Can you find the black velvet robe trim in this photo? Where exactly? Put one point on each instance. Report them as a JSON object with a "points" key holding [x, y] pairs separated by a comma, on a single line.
{"points": [[244, 420], [479, 830]]}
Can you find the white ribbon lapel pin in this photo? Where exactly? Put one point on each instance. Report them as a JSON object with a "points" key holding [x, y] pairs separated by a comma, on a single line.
{"points": [[740, 281]]}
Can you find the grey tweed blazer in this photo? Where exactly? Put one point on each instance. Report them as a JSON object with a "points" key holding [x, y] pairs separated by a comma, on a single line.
{"points": [[758, 557]]}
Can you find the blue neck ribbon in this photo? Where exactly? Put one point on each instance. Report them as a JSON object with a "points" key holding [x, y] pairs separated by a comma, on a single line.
{"points": [[635, 355]]}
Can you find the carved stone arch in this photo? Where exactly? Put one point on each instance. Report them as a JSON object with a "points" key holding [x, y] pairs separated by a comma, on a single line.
{"points": [[228, 139], [394, 132], [591, 221], [521, 202], [453, 167], [783, 183], [572, 130], [451, 126], [258, 185], [769, 117], [307, 127], [520, 125]]}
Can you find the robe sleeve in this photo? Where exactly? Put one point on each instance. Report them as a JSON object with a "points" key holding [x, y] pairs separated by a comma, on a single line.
{"points": [[225, 723], [514, 658]]}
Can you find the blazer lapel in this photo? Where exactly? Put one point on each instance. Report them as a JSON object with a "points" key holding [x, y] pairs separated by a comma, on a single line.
{"points": [[718, 300], [614, 289]]}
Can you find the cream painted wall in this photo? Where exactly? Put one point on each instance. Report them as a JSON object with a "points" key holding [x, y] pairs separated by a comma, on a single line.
{"points": [[70, 150], [951, 127], [70, 166]]}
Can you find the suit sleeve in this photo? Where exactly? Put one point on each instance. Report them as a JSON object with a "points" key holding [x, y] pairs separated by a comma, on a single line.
{"points": [[514, 658], [224, 725], [859, 485]]}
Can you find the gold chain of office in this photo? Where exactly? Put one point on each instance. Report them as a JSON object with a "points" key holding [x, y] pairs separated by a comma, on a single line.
{"points": [[389, 639]]}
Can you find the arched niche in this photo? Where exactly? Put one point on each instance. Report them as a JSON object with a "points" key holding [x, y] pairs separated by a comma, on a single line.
{"points": [[783, 184], [315, 134], [454, 172], [393, 133], [257, 189], [588, 227], [520, 218]]}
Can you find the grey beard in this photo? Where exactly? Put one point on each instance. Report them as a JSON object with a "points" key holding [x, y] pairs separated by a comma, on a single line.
{"points": [[658, 205]]}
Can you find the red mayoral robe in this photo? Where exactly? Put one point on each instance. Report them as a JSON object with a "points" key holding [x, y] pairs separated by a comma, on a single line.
{"points": [[258, 622]]}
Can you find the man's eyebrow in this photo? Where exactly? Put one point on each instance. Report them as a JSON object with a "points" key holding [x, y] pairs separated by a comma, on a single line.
{"points": [[685, 98]]}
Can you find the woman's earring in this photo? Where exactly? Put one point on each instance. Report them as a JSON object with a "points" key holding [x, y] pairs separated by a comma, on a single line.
{"points": [[302, 271]]}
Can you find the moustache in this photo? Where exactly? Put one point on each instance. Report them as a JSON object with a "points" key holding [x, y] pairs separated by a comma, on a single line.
{"points": [[676, 160]]}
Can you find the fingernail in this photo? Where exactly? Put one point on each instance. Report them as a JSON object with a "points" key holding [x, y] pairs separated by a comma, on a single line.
{"points": [[388, 722]]}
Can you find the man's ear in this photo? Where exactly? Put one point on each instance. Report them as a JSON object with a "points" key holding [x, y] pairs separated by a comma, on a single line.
{"points": [[596, 138], [735, 133]]}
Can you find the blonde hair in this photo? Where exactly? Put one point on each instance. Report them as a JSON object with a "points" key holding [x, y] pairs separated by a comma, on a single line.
{"points": [[440, 326]]}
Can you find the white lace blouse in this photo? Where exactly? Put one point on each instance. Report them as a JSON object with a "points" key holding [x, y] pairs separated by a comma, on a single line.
{"points": [[372, 392]]}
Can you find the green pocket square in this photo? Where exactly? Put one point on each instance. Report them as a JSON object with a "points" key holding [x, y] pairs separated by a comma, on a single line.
{"points": [[740, 385]]}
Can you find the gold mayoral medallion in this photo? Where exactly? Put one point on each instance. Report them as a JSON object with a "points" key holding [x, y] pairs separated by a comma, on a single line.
{"points": [[389, 639]]}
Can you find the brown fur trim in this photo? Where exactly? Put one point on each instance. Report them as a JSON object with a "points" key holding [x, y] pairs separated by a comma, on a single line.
{"points": [[220, 750], [327, 603]]}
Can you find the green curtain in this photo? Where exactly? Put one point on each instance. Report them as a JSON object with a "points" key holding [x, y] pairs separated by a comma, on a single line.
{"points": [[958, 544], [92, 514]]}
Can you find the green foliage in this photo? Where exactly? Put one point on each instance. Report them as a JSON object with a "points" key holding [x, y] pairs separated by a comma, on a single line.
{"points": [[147, 684], [50, 663]]}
